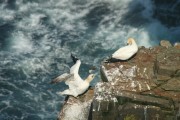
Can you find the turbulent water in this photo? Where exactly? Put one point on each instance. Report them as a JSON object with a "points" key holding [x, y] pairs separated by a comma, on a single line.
{"points": [[37, 37]]}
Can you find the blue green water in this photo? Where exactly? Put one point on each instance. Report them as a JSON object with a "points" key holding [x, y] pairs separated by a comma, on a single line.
{"points": [[37, 37]]}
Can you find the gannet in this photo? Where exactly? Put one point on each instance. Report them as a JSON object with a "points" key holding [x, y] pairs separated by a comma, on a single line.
{"points": [[76, 84], [126, 52]]}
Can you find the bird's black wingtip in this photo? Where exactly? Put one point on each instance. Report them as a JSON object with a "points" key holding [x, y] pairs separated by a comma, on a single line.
{"points": [[53, 81], [74, 58], [110, 59]]}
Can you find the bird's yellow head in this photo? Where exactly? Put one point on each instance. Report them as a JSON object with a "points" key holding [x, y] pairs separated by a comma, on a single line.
{"points": [[90, 78], [130, 41]]}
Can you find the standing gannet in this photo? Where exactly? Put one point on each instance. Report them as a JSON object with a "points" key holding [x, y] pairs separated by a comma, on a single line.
{"points": [[76, 84], [126, 52]]}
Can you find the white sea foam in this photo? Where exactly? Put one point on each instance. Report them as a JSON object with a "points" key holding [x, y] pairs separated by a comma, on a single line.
{"points": [[21, 42]]}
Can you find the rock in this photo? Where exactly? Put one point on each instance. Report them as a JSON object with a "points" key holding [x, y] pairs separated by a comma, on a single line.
{"points": [[111, 103], [177, 45], [172, 85], [77, 108], [168, 62], [145, 87], [165, 43], [105, 104], [139, 75]]}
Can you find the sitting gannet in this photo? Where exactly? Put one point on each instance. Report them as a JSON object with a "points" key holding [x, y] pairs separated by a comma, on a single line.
{"points": [[126, 52], [76, 84]]}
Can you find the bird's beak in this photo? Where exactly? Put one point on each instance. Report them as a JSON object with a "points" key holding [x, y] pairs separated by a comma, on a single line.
{"points": [[95, 74]]}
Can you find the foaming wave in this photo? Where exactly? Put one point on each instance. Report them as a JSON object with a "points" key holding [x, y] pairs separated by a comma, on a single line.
{"points": [[6, 15], [32, 22], [21, 42]]}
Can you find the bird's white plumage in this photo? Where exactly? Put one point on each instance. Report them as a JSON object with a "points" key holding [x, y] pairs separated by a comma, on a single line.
{"points": [[76, 84], [126, 52]]}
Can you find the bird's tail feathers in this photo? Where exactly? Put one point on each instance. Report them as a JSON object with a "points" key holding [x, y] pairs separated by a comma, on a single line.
{"points": [[59, 93], [109, 59]]}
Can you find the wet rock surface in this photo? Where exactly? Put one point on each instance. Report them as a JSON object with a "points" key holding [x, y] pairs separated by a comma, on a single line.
{"points": [[144, 87]]}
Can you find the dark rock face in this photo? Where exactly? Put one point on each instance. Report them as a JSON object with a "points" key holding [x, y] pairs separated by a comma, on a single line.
{"points": [[147, 87]]}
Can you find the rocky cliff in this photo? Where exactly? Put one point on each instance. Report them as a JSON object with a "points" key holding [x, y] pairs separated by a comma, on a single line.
{"points": [[146, 87]]}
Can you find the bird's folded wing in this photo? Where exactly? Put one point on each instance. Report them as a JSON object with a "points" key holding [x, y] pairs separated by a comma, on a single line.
{"points": [[122, 50], [63, 77]]}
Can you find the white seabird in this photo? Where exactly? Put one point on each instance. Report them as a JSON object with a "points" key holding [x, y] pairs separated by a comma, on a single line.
{"points": [[126, 52], [76, 84]]}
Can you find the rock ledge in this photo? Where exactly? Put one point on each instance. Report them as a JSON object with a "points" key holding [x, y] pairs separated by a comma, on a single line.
{"points": [[147, 87]]}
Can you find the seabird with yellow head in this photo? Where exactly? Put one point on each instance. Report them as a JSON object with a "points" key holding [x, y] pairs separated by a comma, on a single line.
{"points": [[77, 85], [126, 52]]}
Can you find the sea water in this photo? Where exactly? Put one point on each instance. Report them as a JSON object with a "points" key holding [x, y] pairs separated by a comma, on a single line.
{"points": [[38, 36]]}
